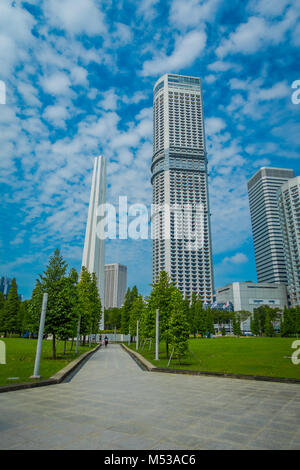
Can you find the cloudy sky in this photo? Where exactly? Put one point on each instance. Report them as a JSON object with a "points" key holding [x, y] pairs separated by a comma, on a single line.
{"points": [[79, 76]]}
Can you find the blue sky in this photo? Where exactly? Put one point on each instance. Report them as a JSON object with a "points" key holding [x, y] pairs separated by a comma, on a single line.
{"points": [[79, 76]]}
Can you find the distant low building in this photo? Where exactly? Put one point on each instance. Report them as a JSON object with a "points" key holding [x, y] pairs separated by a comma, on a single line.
{"points": [[115, 285], [250, 295]]}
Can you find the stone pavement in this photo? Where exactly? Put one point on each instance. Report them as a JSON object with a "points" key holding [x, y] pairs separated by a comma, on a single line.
{"points": [[112, 404]]}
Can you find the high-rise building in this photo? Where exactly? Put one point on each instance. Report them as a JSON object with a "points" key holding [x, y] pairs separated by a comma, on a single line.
{"points": [[115, 285], [267, 234], [179, 179], [289, 210], [94, 243], [5, 285]]}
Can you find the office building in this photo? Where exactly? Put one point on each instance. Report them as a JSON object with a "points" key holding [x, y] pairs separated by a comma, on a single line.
{"points": [[267, 234], [94, 243], [115, 285], [250, 295], [289, 210], [181, 218]]}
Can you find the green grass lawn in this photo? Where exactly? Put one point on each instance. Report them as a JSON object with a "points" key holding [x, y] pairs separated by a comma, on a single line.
{"points": [[20, 358], [245, 355]]}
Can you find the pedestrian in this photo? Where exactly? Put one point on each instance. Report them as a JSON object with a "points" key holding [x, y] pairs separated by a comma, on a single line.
{"points": [[106, 341]]}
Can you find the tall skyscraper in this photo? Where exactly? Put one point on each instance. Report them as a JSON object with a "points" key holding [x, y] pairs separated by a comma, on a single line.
{"points": [[115, 285], [267, 234], [289, 210], [94, 245], [179, 179], [5, 285]]}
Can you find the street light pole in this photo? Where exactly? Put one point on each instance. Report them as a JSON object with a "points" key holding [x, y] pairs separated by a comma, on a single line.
{"points": [[40, 339], [78, 333], [157, 335], [137, 336]]}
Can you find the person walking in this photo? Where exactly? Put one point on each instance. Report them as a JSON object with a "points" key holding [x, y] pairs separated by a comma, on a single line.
{"points": [[106, 341]]}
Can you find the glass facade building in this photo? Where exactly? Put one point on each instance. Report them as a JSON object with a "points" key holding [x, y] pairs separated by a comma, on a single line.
{"points": [[289, 210], [267, 234]]}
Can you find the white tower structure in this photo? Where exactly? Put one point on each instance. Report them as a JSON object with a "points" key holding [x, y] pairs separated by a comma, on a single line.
{"points": [[179, 179], [267, 234], [94, 246], [289, 210]]}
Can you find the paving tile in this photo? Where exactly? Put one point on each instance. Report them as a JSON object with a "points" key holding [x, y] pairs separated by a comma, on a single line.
{"points": [[112, 404]]}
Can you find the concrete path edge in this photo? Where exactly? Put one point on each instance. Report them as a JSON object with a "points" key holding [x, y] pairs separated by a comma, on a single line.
{"points": [[57, 378], [151, 368]]}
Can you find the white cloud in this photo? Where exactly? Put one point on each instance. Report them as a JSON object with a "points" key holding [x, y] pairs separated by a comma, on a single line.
{"points": [[186, 51], [15, 36], [76, 16], [123, 34], [56, 84], [210, 78], [238, 258], [258, 98], [146, 9], [29, 94], [109, 101], [268, 7], [256, 34], [193, 12], [214, 125], [220, 66], [56, 115], [79, 76]]}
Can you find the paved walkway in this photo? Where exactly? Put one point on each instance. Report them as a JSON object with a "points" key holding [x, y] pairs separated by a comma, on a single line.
{"points": [[112, 404]]}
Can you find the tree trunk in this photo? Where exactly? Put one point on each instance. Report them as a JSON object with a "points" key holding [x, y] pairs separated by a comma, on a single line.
{"points": [[53, 348], [65, 344], [167, 349], [72, 344]]}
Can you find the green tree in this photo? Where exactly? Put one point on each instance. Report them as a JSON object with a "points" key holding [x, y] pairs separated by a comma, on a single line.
{"points": [[95, 304], [2, 307], [53, 282], [290, 322], [125, 316], [178, 330], [34, 309], [191, 313], [136, 313], [254, 324], [262, 312], [199, 316], [269, 328], [236, 324], [67, 307], [147, 322], [12, 306], [90, 303], [209, 322], [112, 318], [84, 299], [160, 298]]}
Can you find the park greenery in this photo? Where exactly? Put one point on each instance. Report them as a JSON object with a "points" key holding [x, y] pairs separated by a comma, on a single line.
{"points": [[179, 318], [70, 302], [73, 302], [20, 359]]}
